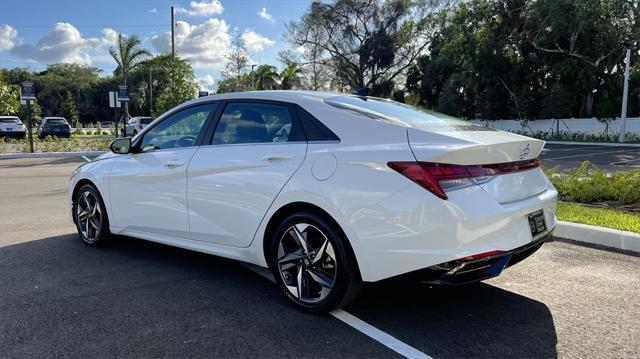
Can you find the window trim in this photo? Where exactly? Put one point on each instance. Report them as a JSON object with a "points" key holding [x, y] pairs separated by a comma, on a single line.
{"points": [[201, 136], [208, 140]]}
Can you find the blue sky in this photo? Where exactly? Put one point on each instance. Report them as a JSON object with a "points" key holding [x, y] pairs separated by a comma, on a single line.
{"points": [[34, 33]]}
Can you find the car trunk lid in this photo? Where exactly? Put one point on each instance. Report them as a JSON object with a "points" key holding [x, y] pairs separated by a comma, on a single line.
{"points": [[478, 145]]}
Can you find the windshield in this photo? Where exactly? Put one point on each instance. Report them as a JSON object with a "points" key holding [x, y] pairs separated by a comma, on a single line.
{"points": [[9, 120], [56, 121], [381, 109]]}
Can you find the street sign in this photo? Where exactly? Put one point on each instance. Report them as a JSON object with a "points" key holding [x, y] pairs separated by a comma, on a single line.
{"points": [[203, 93], [27, 91], [113, 103], [123, 93]]}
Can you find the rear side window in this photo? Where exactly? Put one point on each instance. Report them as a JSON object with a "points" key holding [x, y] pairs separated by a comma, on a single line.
{"points": [[314, 129], [256, 123]]}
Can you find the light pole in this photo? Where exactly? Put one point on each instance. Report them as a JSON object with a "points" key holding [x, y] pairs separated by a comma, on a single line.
{"points": [[625, 95], [253, 84]]}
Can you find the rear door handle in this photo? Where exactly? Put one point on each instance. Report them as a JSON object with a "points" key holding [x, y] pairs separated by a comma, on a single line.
{"points": [[277, 157], [173, 163]]}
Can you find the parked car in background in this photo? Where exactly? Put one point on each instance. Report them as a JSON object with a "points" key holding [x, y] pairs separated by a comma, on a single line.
{"points": [[107, 124], [54, 126], [137, 124], [11, 126], [326, 190]]}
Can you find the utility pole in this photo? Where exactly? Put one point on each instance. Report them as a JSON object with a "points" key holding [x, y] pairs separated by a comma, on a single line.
{"points": [[150, 92], [625, 95], [173, 37]]}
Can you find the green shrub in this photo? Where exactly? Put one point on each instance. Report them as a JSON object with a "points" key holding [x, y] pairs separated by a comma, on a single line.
{"points": [[54, 144], [588, 184], [630, 137]]}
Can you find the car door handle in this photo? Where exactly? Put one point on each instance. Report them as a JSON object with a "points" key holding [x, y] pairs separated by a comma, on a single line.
{"points": [[173, 163], [277, 157]]}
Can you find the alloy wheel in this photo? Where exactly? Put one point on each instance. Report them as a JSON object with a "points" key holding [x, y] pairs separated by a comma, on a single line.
{"points": [[89, 216], [307, 263]]}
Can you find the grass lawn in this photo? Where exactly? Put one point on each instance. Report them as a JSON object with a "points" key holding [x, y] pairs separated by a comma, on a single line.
{"points": [[602, 217]]}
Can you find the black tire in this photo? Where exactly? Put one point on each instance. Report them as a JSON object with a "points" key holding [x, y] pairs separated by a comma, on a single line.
{"points": [[347, 282], [91, 236]]}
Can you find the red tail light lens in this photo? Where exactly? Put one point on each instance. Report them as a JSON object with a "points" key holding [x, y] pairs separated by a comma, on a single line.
{"points": [[141, 126], [432, 176]]}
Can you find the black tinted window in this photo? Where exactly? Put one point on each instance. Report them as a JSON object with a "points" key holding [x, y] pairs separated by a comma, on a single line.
{"points": [[314, 129], [9, 120], [256, 123], [56, 121]]}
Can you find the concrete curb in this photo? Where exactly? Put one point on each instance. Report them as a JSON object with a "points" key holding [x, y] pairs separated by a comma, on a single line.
{"points": [[6, 156], [593, 144], [627, 241]]}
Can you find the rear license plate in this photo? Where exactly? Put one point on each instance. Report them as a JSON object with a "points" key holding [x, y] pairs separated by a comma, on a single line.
{"points": [[537, 224]]}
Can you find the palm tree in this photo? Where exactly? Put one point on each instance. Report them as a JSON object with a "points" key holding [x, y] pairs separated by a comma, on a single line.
{"points": [[290, 76], [128, 55], [266, 77]]}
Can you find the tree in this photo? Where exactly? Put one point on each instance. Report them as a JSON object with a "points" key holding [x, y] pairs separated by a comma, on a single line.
{"points": [[68, 109], [8, 98], [366, 43], [177, 83], [237, 63], [266, 77], [128, 54], [291, 76], [79, 81]]}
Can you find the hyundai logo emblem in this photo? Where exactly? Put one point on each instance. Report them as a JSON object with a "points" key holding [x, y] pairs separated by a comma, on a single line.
{"points": [[525, 152]]}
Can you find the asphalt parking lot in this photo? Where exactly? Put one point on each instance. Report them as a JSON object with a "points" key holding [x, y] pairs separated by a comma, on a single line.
{"points": [[609, 158], [60, 298]]}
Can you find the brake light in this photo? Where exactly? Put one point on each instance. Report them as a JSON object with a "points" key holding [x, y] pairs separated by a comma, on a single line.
{"points": [[438, 177], [141, 126], [480, 256]]}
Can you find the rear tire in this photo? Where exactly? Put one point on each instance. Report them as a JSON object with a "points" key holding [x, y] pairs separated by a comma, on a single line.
{"points": [[90, 216], [313, 264]]}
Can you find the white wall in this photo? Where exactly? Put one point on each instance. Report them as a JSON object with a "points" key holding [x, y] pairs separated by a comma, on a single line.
{"points": [[584, 125]]}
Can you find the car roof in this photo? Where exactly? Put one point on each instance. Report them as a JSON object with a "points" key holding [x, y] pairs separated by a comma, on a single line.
{"points": [[54, 118], [294, 96], [9, 117]]}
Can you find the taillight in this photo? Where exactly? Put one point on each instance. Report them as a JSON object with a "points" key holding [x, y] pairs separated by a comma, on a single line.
{"points": [[438, 177], [141, 126]]}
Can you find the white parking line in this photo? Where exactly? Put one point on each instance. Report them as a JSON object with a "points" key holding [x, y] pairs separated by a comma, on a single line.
{"points": [[363, 327], [86, 158], [383, 338]]}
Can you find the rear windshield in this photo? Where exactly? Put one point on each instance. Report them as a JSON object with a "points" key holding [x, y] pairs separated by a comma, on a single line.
{"points": [[9, 120], [381, 109], [56, 121], [146, 120]]}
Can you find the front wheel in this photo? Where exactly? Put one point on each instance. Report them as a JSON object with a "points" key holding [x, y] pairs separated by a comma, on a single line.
{"points": [[312, 263], [90, 216]]}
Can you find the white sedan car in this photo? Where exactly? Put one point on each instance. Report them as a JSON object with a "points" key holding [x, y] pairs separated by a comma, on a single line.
{"points": [[326, 190]]}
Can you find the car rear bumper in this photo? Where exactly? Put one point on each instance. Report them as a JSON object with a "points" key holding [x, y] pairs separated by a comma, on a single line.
{"points": [[463, 271], [18, 134]]}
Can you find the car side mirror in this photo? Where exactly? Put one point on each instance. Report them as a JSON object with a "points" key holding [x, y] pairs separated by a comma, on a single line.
{"points": [[121, 145]]}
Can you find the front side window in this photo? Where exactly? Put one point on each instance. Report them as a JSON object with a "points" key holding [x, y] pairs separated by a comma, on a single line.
{"points": [[256, 123], [178, 130]]}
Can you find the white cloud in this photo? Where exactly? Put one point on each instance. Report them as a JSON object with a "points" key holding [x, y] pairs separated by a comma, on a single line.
{"points": [[204, 45], [7, 36], [110, 36], [203, 8], [206, 82], [64, 43], [153, 11], [265, 15], [254, 41]]}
